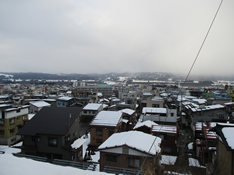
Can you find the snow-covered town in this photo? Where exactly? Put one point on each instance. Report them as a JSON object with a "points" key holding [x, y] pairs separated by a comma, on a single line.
{"points": [[116, 127]]}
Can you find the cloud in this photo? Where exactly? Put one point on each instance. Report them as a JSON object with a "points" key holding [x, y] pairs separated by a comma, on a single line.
{"points": [[91, 36]]}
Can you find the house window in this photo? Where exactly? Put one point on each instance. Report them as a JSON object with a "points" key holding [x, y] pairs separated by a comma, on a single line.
{"points": [[155, 105], [163, 137], [1, 122], [25, 117], [12, 130], [134, 162], [125, 150], [12, 121], [36, 139], [172, 114], [53, 142], [98, 140], [67, 138], [211, 114], [18, 118], [98, 132], [85, 112], [2, 132], [111, 158]]}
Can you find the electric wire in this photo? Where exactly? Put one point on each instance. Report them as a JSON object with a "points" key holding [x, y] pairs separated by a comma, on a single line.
{"points": [[140, 169]]}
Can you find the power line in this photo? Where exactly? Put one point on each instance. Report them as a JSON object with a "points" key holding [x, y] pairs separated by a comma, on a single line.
{"points": [[185, 78]]}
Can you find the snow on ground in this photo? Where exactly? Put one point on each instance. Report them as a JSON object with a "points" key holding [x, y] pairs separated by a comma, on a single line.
{"points": [[10, 164]]}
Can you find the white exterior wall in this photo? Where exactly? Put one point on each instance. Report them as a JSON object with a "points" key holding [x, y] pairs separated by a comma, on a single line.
{"points": [[10, 114]]}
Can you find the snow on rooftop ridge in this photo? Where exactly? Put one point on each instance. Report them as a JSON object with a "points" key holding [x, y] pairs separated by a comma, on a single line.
{"points": [[147, 123], [134, 139], [228, 134], [127, 111], [40, 104], [65, 98], [92, 106], [154, 110], [107, 118]]}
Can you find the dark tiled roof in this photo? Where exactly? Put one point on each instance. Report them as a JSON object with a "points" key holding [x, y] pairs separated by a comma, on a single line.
{"points": [[51, 120]]}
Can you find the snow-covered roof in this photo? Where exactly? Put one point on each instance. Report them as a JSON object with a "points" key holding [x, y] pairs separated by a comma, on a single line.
{"points": [[164, 129], [195, 163], [147, 123], [200, 101], [65, 98], [134, 139], [107, 118], [228, 134], [78, 142], [157, 98], [154, 110], [92, 106], [40, 104], [147, 93], [127, 111], [168, 160]]}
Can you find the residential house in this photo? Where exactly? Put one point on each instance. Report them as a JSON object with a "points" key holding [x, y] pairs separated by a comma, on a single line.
{"points": [[230, 111], [128, 150], [77, 147], [129, 119], [159, 115], [144, 126], [155, 101], [225, 149], [168, 134], [51, 132], [90, 110], [213, 113], [204, 141], [37, 105], [65, 101], [104, 124], [11, 121]]}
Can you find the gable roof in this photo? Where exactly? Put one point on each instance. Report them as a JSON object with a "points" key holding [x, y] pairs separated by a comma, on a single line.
{"points": [[107, 118], [147, 123], [39, 104], [51, 120], [92, 106], [133, 139]]}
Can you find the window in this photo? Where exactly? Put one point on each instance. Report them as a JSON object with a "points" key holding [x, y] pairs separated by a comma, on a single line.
{"points": [[163, 137], [155, 105], [12, 130], [172, 114], [19, 118], [67, 138], [111, 158], [36, 139], [134, 162], [98, 132], [211, 114], [1, 132], [25, 117], [12, 121], [98, 140], [125, 150], [53, 142], [1, 122]]}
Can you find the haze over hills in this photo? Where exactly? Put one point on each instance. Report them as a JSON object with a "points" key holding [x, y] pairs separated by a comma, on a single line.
{"points": [[161, 76]]}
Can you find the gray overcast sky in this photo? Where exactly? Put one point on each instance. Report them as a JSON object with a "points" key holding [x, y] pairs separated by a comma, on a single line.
{"points": [[101, 36]]}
